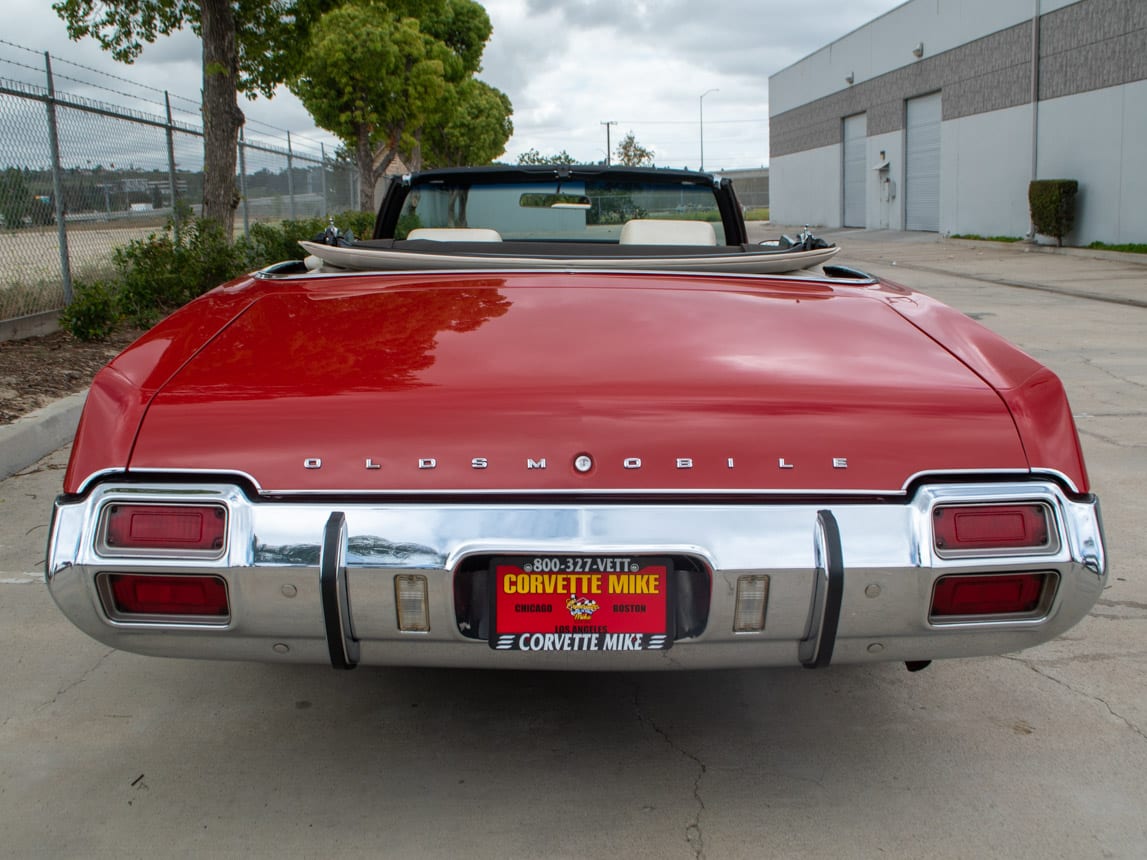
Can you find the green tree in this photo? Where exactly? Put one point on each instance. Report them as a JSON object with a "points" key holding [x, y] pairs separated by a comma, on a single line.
{"points": [[471, 126], [15, 198], [249, 46], [632, 154], [532, 156], [368, 76]]}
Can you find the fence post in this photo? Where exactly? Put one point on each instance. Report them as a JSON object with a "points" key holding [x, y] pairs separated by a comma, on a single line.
{"points": [[290, 176], [58, 184], [323, 173], [243, 182], [171, 166]]}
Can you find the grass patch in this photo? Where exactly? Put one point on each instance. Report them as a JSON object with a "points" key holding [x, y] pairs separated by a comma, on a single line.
{"points": [[978, 237], [25, 299], [760, 213], [1126, 248]]}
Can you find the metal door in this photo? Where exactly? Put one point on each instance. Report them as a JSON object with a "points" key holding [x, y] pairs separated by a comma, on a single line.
{"points": [[855, 164], [922, 164]]}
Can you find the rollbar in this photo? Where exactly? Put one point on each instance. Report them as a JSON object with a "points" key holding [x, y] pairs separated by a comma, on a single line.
{"points": [[343, 646], [816, 649]]}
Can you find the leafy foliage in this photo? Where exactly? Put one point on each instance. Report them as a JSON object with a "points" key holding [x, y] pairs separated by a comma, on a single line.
{"points": [[249, 46], [532, 156], [94, 312], [1052, 203], [15, 198], [471, 126], [270, 243], [156, 275], [632, 154], [265, 33], [162, 272], [367, 75], [384, 77]]}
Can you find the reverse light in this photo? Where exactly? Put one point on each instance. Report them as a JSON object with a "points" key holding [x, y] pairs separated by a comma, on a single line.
{"points": [[964, 529], [128, 595], [752, 598], [166, 530], [999, 594], [410, 596]]}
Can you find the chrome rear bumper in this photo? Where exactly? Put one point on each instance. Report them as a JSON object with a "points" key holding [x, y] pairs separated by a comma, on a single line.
{"points": [[878, 600]]}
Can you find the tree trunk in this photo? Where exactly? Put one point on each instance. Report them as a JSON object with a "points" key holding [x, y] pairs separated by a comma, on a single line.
{"points": [[364, 156], [415, 164], [382, 158], [221, 115]]}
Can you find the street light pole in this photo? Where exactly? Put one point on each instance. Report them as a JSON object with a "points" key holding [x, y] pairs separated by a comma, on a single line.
{"points": [[701, 117], [607, 124]]}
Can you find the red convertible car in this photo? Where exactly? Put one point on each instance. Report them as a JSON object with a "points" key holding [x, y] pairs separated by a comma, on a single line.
{"points": [[571, 418]]}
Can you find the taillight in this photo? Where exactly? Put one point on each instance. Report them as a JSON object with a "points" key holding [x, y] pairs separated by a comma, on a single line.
{"points": [[1000, 594], [193, 596], [961, 529], [163, 529]]}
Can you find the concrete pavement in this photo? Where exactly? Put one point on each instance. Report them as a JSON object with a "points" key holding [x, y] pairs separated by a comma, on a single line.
{"points": [[1038, 754]]}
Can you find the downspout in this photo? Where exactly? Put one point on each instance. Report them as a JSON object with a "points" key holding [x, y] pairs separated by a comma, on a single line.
{"points": [[1035, 106]]}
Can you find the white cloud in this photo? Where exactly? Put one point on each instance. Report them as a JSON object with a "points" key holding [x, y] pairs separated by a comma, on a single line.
{"points": [[567, 65]]}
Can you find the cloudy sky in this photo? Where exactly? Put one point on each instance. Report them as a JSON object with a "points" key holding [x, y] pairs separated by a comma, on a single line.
{"points": [[567, 65]]}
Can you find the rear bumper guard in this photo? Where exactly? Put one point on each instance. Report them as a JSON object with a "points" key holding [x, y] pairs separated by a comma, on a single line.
{"points": [[816, 649]]}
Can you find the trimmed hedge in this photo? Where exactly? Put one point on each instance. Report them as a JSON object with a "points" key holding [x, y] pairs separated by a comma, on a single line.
{"points": [[1052, 203]]}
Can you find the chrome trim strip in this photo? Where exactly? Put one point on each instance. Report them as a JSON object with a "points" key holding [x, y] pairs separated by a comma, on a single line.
{"points": [[813, 278], [671, 492]]}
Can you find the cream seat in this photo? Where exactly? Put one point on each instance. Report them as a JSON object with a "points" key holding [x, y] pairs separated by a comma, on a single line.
{"points": [[649, 231], [455, 234]]}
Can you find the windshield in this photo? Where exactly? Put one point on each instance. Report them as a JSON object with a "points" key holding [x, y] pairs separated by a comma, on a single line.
{"points": [[556, 211]]}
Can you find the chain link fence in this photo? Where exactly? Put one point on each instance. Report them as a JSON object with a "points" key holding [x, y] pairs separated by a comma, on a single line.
{"points": [[80, 178]]}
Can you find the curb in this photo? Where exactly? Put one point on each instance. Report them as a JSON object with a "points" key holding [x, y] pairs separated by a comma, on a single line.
{"points": [[39, 433]]}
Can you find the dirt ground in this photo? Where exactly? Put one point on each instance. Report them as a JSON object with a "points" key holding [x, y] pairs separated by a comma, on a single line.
{"points": [[35, 371]]}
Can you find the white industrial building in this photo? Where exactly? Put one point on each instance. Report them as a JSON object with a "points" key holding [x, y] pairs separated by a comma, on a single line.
{"points": [[937, 115]]}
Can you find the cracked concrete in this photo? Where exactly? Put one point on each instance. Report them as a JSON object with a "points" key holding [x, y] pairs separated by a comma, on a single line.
{"points": [[1035, 755], [1030, 664], [694, 836]]}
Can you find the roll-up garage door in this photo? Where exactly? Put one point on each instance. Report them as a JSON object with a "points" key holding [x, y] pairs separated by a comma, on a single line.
{"points": [[855, 147], [922, 167]]}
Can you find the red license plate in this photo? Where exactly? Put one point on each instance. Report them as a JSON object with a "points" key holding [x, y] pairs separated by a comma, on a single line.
{"points": [[581, 603]]}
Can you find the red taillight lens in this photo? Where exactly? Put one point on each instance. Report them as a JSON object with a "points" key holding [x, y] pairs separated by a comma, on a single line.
{"points": [[142, 594], [1009, 594], [197, 528], [991, 527]]}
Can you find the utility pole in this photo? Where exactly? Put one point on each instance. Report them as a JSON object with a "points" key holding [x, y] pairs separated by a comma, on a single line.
{"points": [[701, 117], [607, 124]]}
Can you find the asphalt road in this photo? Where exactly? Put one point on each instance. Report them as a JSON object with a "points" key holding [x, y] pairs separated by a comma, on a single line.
{"points": [[1038, 754]]}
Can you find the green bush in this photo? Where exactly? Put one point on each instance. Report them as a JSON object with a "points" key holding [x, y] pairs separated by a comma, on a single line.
{"points": [[164, 271], [156, 275], [273, 243], [270, 243], [360, 223], [1052, 203], [94, 311]]}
